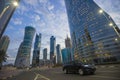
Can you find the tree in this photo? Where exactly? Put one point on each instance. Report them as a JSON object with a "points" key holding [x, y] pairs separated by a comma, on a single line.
{"points": [[3, 57]]}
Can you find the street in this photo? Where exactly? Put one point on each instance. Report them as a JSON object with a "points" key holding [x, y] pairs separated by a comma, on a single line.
{"points": [[103, 73]]}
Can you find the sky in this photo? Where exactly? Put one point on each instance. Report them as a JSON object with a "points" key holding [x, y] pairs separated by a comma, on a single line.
{"points": [[49, 18]]}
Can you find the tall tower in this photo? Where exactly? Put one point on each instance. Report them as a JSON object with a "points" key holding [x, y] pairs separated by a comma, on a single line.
{"points": [[68, 42], [52, 49], [23, 56], [58, 53], [7, 9], [95, 36], [45, 54], [4, 42], [36, 51]]}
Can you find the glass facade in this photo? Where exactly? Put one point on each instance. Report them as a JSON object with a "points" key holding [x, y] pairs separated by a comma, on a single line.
{"points": [[4, 43], [45, 54], [95, 36], [58, 53], [23, 56], [66, 55], [6, 11], [68, 42], [36, 51], [52, 48]]}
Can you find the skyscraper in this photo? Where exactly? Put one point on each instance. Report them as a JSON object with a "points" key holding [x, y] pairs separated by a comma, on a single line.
{"points": [[95, 36], [36, 51], [6, 10], [45, 54], [23, 56], [66, 55], [58, 53], [4, 42], [52, 49], [68, 42]]}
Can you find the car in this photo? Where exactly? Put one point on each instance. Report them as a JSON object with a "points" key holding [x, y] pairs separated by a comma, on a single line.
{"points": [[81, 68]]}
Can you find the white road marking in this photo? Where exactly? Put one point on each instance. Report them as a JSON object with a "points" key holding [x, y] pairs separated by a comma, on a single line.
{"points": [[107, 77], [40, 76]]}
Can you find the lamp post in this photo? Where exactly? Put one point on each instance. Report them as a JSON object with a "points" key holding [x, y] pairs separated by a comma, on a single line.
{"points": [[15, 4], [6, 14], [110, 22]]}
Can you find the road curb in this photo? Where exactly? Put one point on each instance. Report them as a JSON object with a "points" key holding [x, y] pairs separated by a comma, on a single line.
{"points": [[107, 66]]}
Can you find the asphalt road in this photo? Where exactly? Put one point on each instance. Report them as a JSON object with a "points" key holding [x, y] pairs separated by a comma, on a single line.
{"points": [[102, 73]]}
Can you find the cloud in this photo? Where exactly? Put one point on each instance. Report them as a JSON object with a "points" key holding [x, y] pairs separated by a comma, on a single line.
{"points": [[49, 18], [51, 7], [17, 21]]}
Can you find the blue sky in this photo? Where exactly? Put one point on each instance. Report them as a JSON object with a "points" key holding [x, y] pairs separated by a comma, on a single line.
{"points": [[49, 18]]}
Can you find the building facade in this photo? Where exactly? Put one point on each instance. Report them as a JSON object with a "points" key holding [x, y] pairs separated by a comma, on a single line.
{"points": [[66, 55], [45, 54], [24, 51], [68, 43], [36, 51], [52, 49], [4, 43], [95, 36], [6, 11], [58, 54]]}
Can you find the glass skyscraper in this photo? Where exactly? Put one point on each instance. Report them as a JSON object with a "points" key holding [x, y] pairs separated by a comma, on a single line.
{"points": [[4, 43], [95, 36], [58, 53], [68, 42], [36, 51], [23, 56], [66, 55], [52, 49], [6, 10], [45, 54]]}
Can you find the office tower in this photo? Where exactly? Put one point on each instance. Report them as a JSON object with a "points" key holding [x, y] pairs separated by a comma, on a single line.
{"points": [[68, 42], [58, 54], [24, 51], [4, 42], [36, 51], [95, 36], [45, 54], [66, 55], [69, 46], [7, 9], [52, 49]]}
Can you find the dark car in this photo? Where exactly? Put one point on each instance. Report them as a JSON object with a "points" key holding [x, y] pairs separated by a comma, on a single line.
{"points": [[81, 68]]}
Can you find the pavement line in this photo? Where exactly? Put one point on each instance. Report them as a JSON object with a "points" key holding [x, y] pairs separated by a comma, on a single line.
{"points": [[40, 76], [36, 77], [107, 77]]}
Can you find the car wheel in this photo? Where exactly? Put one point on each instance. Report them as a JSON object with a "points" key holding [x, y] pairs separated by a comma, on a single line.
{"points": [[66, 71], [81, 72]]}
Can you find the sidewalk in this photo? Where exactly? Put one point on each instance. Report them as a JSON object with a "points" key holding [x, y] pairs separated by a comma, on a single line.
{"points": [[8, 72], [108, 66]]}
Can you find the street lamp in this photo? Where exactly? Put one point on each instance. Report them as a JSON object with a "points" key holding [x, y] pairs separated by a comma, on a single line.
{"points": [[110, 24], [101, 11], [15, 3]]}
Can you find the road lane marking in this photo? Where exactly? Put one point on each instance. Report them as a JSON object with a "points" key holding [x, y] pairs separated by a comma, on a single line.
{"points": [[40, 76], [36, 77], [107, 77]]}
